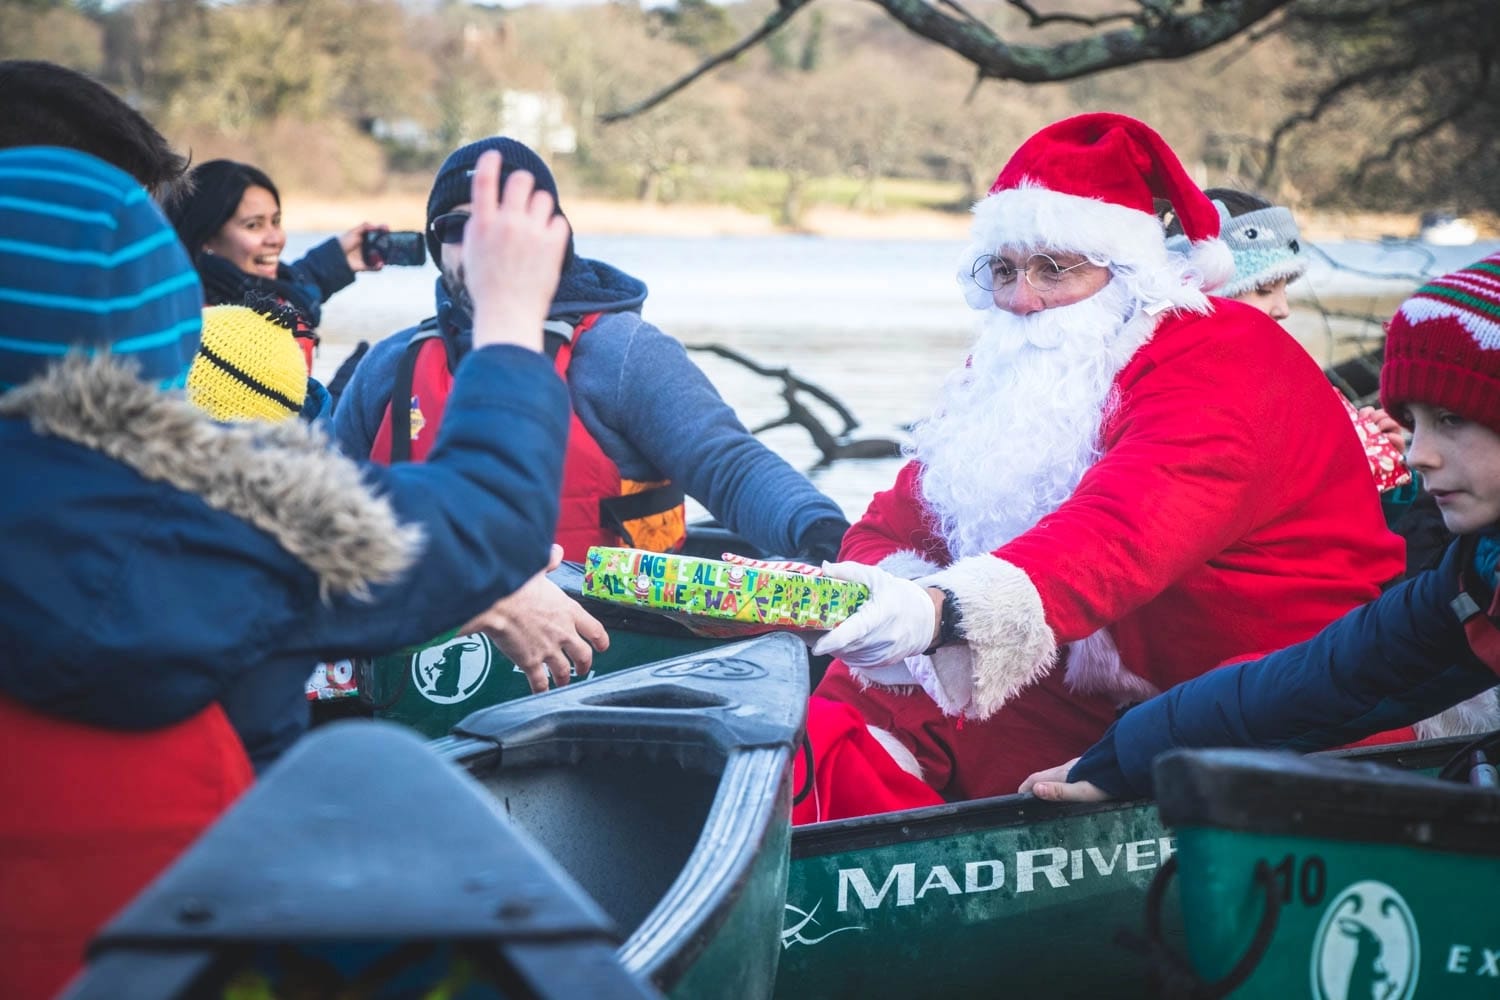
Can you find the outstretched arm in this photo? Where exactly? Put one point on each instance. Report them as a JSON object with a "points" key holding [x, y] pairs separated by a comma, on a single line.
{"points": [[1387, 664]]}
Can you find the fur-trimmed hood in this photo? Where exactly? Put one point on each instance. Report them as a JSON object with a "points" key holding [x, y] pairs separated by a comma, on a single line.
{"points": [[285, 479]]}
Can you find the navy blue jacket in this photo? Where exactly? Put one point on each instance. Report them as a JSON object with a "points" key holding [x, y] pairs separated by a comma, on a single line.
{"points": [[1390, 663], [156, 562]]}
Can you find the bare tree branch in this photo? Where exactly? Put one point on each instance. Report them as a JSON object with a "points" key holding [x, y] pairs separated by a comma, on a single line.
{"points": [[1412, 136], [779, 17], [1035, 19], [831, 447], [1326, 99], [1158, 33], [1252, 38], [964, 13], [1353, 16]]}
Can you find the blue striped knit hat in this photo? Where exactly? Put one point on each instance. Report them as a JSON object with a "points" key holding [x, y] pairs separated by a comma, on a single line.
{"points": [[87, 261]]}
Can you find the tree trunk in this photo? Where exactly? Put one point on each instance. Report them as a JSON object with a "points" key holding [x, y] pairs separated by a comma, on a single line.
{"points": [[791, 200]]}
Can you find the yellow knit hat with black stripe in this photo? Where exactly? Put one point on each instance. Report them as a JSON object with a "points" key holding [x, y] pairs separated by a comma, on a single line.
{"points": [[248, 367]]}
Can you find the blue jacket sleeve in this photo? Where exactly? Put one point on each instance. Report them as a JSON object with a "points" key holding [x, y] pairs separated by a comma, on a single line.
{"points": [[323, 271], [1387, 664], [361, 406], [486, 501], [641, 397]]}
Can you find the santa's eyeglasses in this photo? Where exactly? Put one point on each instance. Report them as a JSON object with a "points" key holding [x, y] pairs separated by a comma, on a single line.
{"points": [[994, 273]]}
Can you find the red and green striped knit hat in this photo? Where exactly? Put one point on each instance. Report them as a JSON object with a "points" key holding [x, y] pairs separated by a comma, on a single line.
{"points": [[1442, 347]]}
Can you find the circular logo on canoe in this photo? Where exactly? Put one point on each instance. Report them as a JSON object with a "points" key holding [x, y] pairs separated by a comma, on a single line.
{"points": [[718, 670], [453, 671], [1366, 946]]}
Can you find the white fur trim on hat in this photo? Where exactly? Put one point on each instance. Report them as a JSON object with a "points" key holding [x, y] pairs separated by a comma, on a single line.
{"points": [[1035, 218], [1004, 625]]}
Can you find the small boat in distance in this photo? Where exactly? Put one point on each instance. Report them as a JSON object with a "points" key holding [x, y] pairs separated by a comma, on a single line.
{"points": [[1444, 229]]}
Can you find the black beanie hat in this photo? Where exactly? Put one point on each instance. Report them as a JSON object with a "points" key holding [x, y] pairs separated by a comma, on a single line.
{"points": [[453, 183], [210, 198]]}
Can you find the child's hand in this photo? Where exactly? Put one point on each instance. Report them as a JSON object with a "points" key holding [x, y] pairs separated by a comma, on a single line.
{"points": [[1386, 424], [512, 256], [1054, 786]]}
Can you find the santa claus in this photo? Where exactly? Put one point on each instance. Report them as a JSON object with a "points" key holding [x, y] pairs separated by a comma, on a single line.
{"points": [[1127, 484]]}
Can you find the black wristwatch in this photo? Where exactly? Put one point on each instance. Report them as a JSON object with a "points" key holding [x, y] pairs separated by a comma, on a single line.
{"points": [[950, 620]]}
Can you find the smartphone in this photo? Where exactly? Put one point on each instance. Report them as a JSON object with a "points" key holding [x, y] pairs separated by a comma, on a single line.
{"points": [[398, 249]]}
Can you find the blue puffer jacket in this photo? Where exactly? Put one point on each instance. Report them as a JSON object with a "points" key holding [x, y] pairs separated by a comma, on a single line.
{"points": [[156, 562], [1388, 664]]}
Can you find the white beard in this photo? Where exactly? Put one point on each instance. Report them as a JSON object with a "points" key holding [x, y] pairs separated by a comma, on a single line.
{"points": [[1015, 431]]}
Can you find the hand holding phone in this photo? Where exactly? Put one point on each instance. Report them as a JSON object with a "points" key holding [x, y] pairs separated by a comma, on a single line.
{"points": [[399, 249]]}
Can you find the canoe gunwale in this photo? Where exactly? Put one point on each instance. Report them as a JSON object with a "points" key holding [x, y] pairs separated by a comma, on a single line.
{"points": [[1271, 794], [751, 786], [864, 832]]}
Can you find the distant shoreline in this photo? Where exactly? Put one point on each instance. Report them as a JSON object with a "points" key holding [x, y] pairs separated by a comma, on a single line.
{"points": [[318, 213]]}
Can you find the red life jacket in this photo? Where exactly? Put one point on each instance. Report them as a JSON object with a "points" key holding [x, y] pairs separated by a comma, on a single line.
{"points": [[598, 506], [1481, 625]]}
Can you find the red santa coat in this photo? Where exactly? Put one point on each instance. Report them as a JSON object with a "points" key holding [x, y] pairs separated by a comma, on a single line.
{"points": [[1231, 513]]}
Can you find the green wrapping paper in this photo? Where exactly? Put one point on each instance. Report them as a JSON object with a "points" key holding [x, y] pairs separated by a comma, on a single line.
{"points": [[714, 598]]}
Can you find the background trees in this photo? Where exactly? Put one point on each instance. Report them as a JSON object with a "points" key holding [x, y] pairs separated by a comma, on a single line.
{"points": [[1390, 104]]}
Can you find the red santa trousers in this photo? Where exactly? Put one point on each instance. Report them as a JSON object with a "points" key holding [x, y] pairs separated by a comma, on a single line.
{"points": [[853, 775]]}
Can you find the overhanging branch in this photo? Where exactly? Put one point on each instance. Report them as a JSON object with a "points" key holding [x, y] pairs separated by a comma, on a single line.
{"points": [[1157, 33], [779, 17], [1035, 19], [1325, 100], [1411, 137]]}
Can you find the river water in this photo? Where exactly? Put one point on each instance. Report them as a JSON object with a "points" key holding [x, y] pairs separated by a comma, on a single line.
{"points": [[877, 323]]}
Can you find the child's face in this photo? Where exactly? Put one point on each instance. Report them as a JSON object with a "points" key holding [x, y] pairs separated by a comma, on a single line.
{"points": [[1269, 299], [1460, 464]]}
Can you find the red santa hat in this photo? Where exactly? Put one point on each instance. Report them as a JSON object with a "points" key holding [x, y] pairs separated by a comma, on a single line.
{"points": [[1088, 184]]}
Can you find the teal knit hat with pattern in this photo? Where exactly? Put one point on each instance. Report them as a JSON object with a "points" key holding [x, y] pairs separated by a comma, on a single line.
{"points": [[1265, 244], [88, 262]]}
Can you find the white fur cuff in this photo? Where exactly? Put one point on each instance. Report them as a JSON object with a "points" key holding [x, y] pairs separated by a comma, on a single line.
{"points": [[1004, 624], [908, 564], [1479, 714]]}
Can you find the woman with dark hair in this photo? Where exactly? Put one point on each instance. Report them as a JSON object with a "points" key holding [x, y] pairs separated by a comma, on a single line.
{"points": [[229, 218]]}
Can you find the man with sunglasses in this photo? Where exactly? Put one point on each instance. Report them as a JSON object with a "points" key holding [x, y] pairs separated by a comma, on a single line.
{"points": [[1127, 484], [648, 427]]}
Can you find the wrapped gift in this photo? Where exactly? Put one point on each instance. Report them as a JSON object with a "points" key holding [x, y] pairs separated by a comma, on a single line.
{"points": [[1386, 458], [714, 598]]}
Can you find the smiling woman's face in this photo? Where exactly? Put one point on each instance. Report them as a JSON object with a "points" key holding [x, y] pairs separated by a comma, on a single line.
{"points": [[252, 239]]}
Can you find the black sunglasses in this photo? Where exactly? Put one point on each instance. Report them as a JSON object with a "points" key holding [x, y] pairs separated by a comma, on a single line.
{"points": [[449, 227]]}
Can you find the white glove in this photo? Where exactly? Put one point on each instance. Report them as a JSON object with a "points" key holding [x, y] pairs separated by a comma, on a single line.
{"points": [[898, 620]]}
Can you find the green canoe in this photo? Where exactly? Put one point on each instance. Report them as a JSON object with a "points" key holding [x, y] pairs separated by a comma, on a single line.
{"points": [[665, 792], [1330, 879], [968, 899], [362, 865], [623, 838]]}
